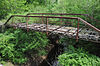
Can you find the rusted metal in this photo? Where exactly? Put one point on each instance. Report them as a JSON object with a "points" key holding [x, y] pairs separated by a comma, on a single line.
{"points": [[47, 26], [68, 23], [55, 14], [61, 20], [77, 31], [88, 24], [71, 23], [42, 20], [12, 20], [43, 17], [60, 17], [27, 19], [56, 17], [67, 32], [86, 15]]}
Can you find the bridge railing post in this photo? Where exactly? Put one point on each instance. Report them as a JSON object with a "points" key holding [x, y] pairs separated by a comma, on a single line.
{"points": [[27, 19], [42, 19], [61, 19], [77, 34], [12, 20], [47, 26]]}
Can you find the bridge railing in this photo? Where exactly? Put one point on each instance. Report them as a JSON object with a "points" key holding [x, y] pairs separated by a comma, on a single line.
{"points": [[86, 17], [57, 14], [58, 21]]}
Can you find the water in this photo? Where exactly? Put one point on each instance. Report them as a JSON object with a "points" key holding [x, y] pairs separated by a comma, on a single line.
{"points": [[52, 57]]}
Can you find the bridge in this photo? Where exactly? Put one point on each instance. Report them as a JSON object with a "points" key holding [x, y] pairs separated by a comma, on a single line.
{"points": [[57, 23]]}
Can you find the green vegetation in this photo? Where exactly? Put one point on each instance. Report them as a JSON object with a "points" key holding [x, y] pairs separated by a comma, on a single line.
{"points": [[77, 57], [56, 6], [91, 7], [74, 55], [15, 43]]}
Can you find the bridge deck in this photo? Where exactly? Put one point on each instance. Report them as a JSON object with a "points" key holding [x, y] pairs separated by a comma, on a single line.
{"points": [[84, 34]]}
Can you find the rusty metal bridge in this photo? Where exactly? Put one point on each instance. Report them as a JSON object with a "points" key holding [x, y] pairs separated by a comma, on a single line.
{"points": [[58, 23]]}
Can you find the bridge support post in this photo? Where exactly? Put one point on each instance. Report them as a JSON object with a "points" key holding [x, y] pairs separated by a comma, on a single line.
{"points": [[12, 20], [2, 27], [42, 20], [61, 20], [77, 31], [47, 26], [27, 19]]}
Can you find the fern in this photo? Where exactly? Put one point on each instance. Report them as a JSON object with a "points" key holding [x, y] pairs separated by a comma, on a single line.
{"points": [[14, 43], [78, 58]]}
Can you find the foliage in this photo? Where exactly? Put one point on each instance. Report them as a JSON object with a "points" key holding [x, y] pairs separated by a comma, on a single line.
{"points": [[14, 44], [65, 40], [90, 7], [77, 57], [86, 45], [91, 47], [12, 6], [17, 6], [3, 8]]}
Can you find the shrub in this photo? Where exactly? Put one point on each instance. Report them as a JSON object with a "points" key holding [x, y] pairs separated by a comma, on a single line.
{"points": [[15, 43], [78, 58]]}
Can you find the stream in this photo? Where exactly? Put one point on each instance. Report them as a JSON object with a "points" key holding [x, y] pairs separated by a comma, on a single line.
{"points": [[52, 59]]}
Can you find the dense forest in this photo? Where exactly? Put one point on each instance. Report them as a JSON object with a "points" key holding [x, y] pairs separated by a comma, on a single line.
{"points": [[16, 44]]}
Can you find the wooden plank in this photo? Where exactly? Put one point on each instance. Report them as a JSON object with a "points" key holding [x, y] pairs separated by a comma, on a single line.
{"points": [[85, 34]]}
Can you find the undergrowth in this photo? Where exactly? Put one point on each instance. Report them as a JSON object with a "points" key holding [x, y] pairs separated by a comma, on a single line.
{"points": [[14, 45], [78, 57], [81, 53]]}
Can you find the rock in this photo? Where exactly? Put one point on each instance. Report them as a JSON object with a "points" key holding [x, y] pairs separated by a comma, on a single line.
{"points": [[1, 65], [8, 64]]}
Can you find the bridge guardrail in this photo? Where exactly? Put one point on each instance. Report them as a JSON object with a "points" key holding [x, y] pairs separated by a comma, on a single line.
{"points": [[76, 18], [87, 16]]}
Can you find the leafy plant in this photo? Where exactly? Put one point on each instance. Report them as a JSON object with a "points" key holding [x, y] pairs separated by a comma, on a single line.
{"points": [[15, 43], [77, 57]]}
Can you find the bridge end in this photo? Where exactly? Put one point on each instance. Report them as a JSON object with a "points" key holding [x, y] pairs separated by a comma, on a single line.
{"points": [[2, 27]]}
